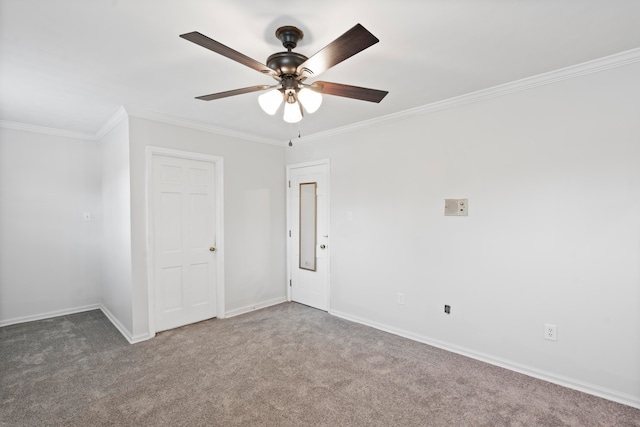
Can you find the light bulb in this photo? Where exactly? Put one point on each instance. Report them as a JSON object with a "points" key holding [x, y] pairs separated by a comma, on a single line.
{"points": [[292, 113], [310, 99], [270, 101]]}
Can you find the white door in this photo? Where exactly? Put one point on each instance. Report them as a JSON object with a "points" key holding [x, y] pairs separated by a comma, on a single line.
{"points": [[184, 241], [309, 234]]}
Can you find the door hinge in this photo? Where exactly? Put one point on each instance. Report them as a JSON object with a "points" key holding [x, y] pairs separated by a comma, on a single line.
{"points": [[289, 184], [289, 282], [289, 233]]}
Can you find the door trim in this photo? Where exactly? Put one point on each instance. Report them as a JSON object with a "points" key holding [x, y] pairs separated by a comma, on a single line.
{"points": [[322, 162], [219, 188]]}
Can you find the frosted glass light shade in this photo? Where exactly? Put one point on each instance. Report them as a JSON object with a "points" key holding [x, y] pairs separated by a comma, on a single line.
{"points": [[292, 113], [310, 99], [270, 101]]}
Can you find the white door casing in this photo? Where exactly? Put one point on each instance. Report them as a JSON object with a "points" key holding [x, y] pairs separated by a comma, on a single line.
{"points": [[306, 286], [185, 224]]}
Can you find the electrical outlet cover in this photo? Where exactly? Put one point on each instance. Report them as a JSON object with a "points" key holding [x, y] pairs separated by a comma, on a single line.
{"points": [[456, 207], [550, 332]]}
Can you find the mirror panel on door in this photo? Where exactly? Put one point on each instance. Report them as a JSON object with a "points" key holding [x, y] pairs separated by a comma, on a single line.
{"points": [[308, 226]]}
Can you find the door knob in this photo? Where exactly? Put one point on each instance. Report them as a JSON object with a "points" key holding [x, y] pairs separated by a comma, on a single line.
{"points": [[212, 249], [322, 246]]}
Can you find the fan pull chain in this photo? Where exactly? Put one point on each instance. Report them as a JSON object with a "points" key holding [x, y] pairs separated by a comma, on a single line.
{"points": [[299, 134]]}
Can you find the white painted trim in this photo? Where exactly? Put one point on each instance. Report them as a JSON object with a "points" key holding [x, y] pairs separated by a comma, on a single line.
{"points": [[571, 383], [204, 127], [48, 315], [25, 127], [287, 230], [320, 162], [111, 123], [253, 307], [132, 339], [57, 313], [601, 64], [219, 188], [608, 62], [310, 163]]}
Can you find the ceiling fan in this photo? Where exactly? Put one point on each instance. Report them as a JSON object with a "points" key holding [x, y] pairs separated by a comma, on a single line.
{"points": [[291, 69]]}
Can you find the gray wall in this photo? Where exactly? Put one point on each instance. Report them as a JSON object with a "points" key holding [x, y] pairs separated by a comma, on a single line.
{"points": [[116, 287], [254, 213], [552, 236], [49, 256], [53, 262], [552, 176]]}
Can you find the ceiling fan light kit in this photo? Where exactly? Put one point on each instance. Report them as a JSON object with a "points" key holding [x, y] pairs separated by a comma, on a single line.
{"points": [[310, 99], [270, 101], [292, 111], [291, 69]]}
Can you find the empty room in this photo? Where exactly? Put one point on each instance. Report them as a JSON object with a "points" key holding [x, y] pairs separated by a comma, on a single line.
{"points": [[287, 213]]}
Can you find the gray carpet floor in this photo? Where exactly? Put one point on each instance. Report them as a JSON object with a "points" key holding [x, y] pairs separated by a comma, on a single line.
{"points": [[287, 365]]}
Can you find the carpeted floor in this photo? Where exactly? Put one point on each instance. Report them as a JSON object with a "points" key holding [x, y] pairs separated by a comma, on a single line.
{"points": [[287, 365]]}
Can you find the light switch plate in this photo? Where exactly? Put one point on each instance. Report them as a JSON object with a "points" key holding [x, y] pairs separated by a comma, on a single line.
{"points": [[456, 207]]}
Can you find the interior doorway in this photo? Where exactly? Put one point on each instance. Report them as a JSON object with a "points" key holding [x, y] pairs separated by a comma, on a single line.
{"points": [[309, 248], [185, 242]]}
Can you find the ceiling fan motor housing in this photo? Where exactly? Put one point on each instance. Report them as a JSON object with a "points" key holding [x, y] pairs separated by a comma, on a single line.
{"points": [[285, 63]]}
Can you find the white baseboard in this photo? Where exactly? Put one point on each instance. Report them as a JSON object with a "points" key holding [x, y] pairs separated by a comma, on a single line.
{"points": [[257, 306], [48, 315], [593, 389], [122, 329]]}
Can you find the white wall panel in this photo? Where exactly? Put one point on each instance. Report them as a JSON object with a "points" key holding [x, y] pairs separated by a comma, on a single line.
{"points": [[49, 254], [116, 288], [254, 213], [552, 178]]}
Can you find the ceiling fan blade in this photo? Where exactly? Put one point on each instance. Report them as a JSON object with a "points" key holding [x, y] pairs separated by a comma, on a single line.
{"points": [[217, 47], [233, 92], [348, 91], [353, 41]]}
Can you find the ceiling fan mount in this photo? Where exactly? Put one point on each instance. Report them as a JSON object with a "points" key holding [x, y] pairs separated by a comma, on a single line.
{"points": [[287, 63], [289, 36], [291, 69]]}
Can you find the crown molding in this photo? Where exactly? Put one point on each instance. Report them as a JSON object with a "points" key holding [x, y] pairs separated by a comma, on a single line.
{"points": [[608, 62], [111, 123], [6, 124], [204, 127]]}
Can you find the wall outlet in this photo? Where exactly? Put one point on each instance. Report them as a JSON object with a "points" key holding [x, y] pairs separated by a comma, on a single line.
{"points": [[400, 298], [447, 309], [550, 332], [456, 207]]}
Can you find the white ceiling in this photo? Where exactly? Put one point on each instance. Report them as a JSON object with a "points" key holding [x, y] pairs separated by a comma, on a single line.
{"points": [[70, 64]]}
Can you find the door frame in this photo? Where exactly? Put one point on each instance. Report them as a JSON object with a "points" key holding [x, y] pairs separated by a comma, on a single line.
{"points": [[322, 162], [152, 151]]}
